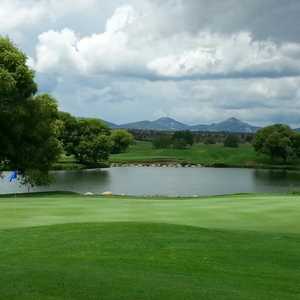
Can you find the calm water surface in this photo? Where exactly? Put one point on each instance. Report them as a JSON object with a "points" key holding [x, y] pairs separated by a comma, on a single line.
{"points": [[167, 181]]}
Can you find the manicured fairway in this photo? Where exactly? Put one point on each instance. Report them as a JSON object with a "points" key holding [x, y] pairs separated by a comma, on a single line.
{"points": [[198, 154], [73, 247]]}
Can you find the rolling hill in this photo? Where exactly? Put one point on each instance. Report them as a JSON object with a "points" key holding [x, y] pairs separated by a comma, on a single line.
{"points": [[169, 124]]}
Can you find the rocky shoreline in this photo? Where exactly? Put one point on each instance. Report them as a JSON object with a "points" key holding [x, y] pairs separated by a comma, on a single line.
{"points": [[157, 165]]}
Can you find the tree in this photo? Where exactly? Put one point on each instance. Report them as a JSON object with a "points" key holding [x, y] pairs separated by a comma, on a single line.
{"points": [[182, 139], [121, 140], [162, 141], [93, 151], [69, 135], [232, 141], [87, 139], [279, 142], [28, 124]]}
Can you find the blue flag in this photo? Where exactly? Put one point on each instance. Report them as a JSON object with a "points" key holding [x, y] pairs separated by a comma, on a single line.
{"points": [[13, 176]]}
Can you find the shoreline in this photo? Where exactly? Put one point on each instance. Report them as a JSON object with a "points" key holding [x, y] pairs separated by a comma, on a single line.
{"points": [[198, 165]]}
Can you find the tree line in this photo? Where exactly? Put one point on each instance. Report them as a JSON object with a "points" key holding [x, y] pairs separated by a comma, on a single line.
{"points": [[278, 142], [186, 139]]}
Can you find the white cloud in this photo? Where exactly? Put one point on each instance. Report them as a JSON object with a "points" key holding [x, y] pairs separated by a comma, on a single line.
{"points": [[128, 48], [17, 14], [14, 14], [123, 17], [237, 55], [56, 52], [98, 53]]}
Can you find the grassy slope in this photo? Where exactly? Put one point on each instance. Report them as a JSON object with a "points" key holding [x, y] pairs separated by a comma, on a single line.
{"points": [[233, 247], [260, 213], [198, 154]]}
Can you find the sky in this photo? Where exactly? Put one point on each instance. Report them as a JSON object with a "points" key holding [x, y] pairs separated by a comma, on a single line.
{"points": [[197, 61]]}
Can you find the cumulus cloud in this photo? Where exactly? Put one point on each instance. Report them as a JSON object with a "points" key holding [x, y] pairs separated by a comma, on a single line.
{"points": [[237, 55], [126, 48], [98, 53], [15, 14]]}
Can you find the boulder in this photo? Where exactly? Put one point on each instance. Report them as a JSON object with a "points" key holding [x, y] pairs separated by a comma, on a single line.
{"points": [[88, 194], [107, 194]]}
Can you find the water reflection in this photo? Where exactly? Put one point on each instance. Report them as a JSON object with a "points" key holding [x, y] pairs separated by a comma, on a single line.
{"points": [[168, 181], [283, 180]]}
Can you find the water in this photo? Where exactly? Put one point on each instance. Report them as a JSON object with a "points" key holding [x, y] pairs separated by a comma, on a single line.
{"points": [[167, 181]]}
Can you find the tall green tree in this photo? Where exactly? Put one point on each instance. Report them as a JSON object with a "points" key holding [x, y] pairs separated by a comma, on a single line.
{"points": [[28, 123], [182, 139], [87, 139], [279, 142], [121, 140]]}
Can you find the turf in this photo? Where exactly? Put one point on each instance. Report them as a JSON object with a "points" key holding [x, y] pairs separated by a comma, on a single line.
{"points": [[73, 247], [198, 154]]}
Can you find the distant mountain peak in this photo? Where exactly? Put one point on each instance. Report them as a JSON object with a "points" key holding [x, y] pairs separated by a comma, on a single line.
{"points": [[169, 124], [165, 119], [233, 119]]}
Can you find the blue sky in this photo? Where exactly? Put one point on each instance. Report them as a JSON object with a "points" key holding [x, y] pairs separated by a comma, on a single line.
{"points": [[193, 60]]}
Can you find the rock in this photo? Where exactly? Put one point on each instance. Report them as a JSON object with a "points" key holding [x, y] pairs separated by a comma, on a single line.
{"points": [[88, 194], [107, 194]]}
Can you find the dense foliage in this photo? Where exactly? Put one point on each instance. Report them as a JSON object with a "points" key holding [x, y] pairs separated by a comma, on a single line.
{"points": [[279, 142], [121, 140], [87, 139], [182, 139], [232, 141], [177, 140], [28, 123]]}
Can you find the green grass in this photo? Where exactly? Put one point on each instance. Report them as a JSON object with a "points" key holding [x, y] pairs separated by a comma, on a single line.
{"points": [[198, 154], [73, 247]]}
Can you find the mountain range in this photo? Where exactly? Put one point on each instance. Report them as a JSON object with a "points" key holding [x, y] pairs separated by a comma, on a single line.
{"points": [[169, 124]]}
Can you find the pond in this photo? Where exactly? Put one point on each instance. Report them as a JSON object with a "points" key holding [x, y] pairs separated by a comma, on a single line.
{"points": [[167, 181]]}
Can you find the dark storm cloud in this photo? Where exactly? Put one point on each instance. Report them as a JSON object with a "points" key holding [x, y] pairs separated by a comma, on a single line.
{"points": [[266, 19]]}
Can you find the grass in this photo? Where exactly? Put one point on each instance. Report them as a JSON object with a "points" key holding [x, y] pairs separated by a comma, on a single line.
{"points": [[73, 247], [208, 155]]}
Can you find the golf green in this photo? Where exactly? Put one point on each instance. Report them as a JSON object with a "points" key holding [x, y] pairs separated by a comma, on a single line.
{"points": [[72, 247]]}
